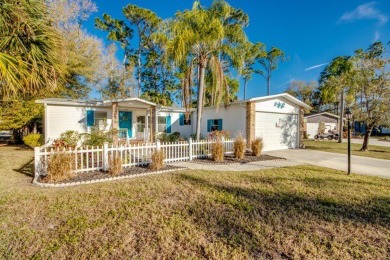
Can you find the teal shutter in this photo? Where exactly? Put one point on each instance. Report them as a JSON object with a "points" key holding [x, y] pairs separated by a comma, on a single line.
{"points": [[181, 118], [90, 117], [169, 127], [219, 124], [209, 122]]}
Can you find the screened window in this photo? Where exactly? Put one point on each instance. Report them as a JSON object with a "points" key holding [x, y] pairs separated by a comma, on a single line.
{"points": [[101, 119], [141, 124], [162, 124], [184, 121], [214, 125]]}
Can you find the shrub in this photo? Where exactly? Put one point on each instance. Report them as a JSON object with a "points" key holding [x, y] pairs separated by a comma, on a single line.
{"points": [[217, 154], [239, 147], [99, 137], [60, 167], [219, 134], [321, 128], [157, 160], [174, 137], [115, 165], [33, 140], [257, 147], [70, 138]]}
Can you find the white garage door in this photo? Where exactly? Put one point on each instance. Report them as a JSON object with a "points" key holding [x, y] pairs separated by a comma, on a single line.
{"points": [[279, 131]]}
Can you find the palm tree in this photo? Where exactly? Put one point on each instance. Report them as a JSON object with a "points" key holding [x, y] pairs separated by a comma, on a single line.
{"points": [[205, 39], [334, 80], [30, 49]]}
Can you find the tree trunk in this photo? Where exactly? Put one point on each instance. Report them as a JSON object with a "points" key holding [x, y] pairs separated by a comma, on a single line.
{"points": [[139, 75], [269, 82], [245, 82], [341, 123], [366, 138], [200, 99]]}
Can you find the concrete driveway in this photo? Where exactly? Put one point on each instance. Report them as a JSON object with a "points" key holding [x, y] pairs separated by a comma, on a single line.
{"points": [[373, 141], [360, 165]]}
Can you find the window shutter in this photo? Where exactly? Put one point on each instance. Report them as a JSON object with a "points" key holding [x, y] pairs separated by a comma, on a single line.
{"points": [[219, 124], [90, 117], [168, 121], [209, 122], [181, 118]]}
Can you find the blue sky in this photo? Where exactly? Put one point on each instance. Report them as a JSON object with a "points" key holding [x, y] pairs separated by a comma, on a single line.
{"points": [[311, 32]]}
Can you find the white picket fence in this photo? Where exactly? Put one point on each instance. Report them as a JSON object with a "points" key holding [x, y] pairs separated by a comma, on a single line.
{"points": [[96, 158]]}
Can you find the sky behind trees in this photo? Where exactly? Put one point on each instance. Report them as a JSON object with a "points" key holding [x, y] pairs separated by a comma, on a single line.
{"points": [[310, 32]]}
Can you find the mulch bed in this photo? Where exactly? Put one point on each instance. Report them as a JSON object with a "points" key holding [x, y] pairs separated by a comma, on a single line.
{"points": [[97, 175], [229, 159]]}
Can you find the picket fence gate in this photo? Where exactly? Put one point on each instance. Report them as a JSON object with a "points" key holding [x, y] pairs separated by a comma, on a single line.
{"points": [[97, 158]]}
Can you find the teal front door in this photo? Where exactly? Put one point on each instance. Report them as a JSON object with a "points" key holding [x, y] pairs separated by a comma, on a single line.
{"points": [[125, 124]]}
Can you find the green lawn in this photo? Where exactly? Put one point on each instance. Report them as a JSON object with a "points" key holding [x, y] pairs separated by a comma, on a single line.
{"points": [[297, 212], [379, 152]]}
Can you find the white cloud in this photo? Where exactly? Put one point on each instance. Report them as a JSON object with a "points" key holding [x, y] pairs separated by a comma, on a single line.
{"points": [[365, 11], [315, 66], [376, 36]]}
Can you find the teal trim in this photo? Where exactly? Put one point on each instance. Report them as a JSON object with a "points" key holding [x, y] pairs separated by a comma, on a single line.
{"points": [[219, 124], [90, 118], [181, 118], [126, 122], [209, 123], [169, 126]]}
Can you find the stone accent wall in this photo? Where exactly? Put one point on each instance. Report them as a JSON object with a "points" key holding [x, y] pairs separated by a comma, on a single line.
{"points": [[302, 126], [250, 122], [152, 124], [115, 120]]}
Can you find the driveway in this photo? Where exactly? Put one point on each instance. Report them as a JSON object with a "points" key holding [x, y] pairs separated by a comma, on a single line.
{"points": [[373, 141], [360, 165]]}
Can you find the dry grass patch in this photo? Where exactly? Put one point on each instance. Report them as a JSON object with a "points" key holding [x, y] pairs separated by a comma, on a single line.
{"points": [[157, 162], [257, 147], [60, 167], [239, 147], [115, 165], [217, 153], [302, 212]]}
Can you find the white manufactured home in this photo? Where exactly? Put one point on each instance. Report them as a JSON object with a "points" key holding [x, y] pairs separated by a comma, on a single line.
{"points": [[278, 119]]}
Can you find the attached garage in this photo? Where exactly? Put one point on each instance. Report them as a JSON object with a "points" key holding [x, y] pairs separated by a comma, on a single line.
{"points": [[278, 119], [277, 122]]}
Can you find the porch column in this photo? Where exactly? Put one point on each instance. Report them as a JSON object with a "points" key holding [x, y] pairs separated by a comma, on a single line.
{"points": [[153, 124], [115, 121], [250, 122], [146, 131]]}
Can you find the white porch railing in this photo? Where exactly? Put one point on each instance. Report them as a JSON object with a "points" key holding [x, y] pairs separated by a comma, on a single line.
{"points": [[96, 158]]}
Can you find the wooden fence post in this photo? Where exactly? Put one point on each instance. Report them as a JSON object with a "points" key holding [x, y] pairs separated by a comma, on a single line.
{"points": [[190, 148], [37, 162], [105, 156]]}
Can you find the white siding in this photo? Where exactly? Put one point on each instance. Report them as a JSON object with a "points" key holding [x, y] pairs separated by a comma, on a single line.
{"points": [[272, 106], [62, 118], [233, 119], [184, 130]]}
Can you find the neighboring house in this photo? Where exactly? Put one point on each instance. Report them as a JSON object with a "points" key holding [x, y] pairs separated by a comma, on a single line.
{"points": [[313, 121], [278, 119]]}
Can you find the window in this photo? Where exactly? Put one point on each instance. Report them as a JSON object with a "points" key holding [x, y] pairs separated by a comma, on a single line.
{"points": [[183, 120], [214, 125], [164, 124], [97, 118], [101, 119], [141, 124]]}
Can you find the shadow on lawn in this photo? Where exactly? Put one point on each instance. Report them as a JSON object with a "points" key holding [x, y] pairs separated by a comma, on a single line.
{"points": [[27, 168], [234, 217]]}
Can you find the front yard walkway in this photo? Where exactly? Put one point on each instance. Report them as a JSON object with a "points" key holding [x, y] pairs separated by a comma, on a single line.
{"points": [[359, 164]]}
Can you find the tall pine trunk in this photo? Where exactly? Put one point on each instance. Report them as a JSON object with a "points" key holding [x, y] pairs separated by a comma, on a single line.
{"points": [[199, 109], [139, 75], [245, 82], [366, 138], [341, 123], [269, 81]]}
